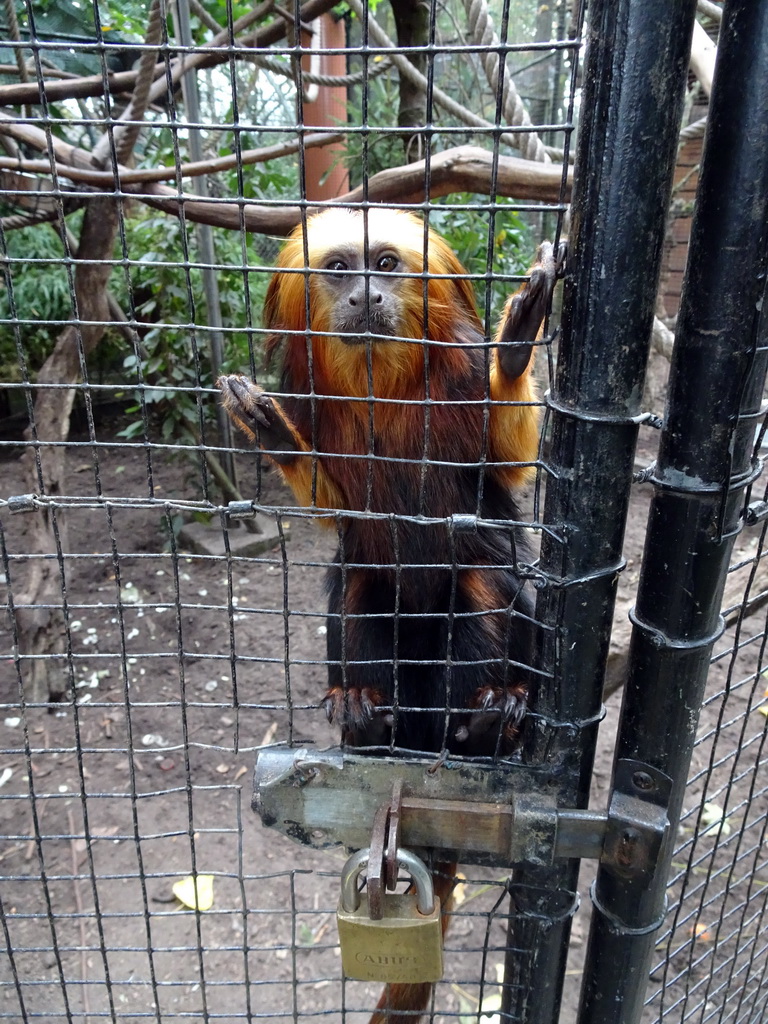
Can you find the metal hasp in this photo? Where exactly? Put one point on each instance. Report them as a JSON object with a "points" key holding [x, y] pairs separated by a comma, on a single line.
{"points": [[479, 814], [495, 815], [705, 464], [635, 73]]}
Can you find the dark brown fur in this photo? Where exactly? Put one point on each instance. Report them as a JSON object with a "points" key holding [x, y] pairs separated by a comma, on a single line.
{"points": [[429, 628]]}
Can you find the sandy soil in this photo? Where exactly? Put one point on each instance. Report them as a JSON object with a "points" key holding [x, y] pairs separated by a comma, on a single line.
{"points": [[153, 764]]}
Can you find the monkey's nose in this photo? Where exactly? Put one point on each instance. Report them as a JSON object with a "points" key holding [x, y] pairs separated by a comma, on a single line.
{"points": [[357, 298]]}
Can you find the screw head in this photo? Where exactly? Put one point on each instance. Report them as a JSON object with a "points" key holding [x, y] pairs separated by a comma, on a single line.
{"points": [[642, 781]]}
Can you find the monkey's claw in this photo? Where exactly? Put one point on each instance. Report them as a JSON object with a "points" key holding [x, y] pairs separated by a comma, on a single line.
{"points": [[246, 402], [257, 415], [525, 311], [498, 713], [356, 710], [561, 259]]}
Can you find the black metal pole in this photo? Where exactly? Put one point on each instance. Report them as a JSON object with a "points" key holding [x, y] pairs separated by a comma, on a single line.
{"points": [[635, 75], [704, 466]]}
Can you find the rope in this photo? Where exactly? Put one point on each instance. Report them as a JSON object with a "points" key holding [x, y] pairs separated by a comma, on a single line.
{"points": [[407, 69], [125, 136], [306, 76], [695, 130], [26, 220], [482, 32], [15, 34], [279, 68]]}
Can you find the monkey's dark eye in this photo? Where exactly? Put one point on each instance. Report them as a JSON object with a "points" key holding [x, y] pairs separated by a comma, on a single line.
{"points": [[337, 265], [387, 263]]}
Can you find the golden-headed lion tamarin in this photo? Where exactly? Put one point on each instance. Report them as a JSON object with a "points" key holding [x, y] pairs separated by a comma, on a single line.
{"points": [[393, 405], [395, 410]]}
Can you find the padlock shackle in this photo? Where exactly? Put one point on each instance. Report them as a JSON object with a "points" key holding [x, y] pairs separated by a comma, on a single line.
{"points": [[413, 865]]}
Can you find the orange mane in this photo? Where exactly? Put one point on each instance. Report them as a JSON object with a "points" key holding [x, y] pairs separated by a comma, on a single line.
{"points": [[286, 304]]}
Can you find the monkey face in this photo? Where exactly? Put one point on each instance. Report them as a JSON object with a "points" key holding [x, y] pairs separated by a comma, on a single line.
{"points": [[361, 300], [367, 284]]}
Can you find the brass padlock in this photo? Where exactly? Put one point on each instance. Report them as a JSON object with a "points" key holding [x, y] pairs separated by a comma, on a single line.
{"points": [[406, 944]]}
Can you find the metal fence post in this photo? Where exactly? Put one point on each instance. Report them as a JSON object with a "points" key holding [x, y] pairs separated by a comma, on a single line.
{"points": [[704, 466], [637, 60]]}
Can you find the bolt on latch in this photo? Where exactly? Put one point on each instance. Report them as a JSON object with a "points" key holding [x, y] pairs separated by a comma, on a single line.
{"points": [[499, 815]]}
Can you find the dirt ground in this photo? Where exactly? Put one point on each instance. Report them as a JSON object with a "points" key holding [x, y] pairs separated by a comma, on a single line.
{"points": [[183, 667]]}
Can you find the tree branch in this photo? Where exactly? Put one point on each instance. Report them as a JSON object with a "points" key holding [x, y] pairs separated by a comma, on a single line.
{"points": [[462, 169], [129, 176], [208, 57]]}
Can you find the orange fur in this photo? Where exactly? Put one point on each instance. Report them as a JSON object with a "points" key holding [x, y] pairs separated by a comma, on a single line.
{"points": [[482, 598], [391, 370], [371, 435]]}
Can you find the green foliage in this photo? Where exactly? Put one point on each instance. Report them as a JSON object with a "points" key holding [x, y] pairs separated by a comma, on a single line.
{"points": [[34, 288], [130, 18], [376, 151], [127, 19], [466, 231], [174, 361], [77, 22]]}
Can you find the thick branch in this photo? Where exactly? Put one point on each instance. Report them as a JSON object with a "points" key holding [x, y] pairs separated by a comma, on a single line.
{"points": [[464, 169], [40, 626], [412, 21]]}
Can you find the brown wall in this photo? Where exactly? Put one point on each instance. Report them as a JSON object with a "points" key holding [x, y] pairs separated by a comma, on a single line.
{"points": [[677, 245]]}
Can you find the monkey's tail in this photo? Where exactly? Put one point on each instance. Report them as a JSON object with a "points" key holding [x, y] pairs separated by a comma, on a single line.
{"points": [[404, 1004]]}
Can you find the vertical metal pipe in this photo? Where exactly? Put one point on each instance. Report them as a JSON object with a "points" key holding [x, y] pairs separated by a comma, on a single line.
{"points": [[636, 66], [204, 234], [704, 465], [326, 173]]}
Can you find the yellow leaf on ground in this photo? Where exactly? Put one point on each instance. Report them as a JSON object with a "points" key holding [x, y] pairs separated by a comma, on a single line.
{"points": [[196, 897]]}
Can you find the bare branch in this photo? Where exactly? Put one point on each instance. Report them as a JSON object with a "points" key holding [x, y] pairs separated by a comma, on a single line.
{"points": [[462, 169], [129, 176], [219, 51], [466, 169]]}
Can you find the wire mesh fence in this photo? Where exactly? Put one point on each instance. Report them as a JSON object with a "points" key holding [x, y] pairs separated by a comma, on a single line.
{"points": [[167, 592]]}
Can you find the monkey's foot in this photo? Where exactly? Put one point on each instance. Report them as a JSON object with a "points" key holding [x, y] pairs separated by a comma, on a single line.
{"points": [[356, 710], [525, 311], [257, 416], [498, 712]]}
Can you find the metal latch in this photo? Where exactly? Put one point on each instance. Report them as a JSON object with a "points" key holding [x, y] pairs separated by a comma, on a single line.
{"points": [[498, 815]]}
